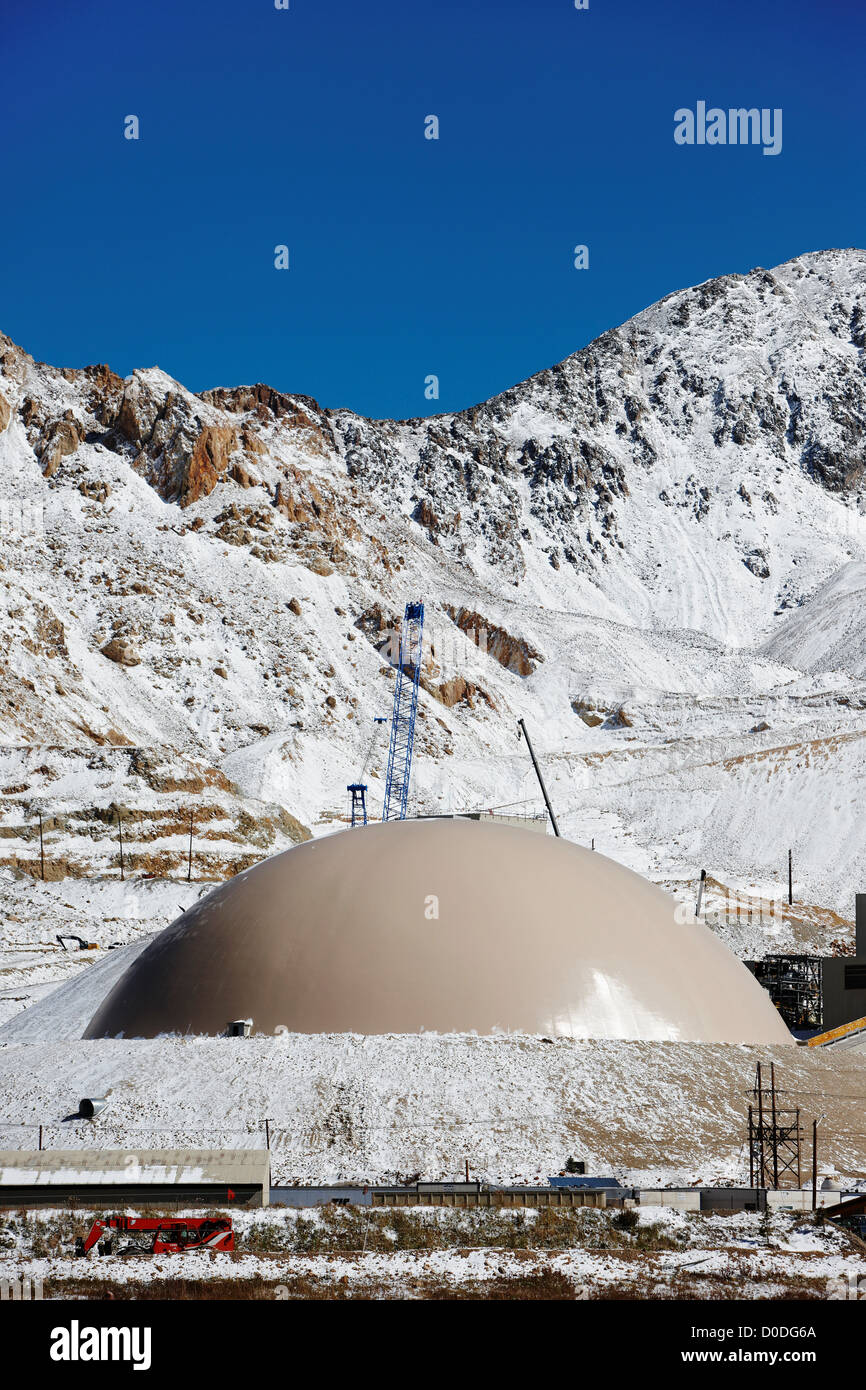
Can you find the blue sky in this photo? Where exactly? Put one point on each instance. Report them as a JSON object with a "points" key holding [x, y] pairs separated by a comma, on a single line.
{"points": [[409, 257]]}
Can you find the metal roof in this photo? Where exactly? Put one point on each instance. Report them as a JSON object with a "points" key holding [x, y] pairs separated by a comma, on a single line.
{"points": [[578, 1180], [50, 1167]]}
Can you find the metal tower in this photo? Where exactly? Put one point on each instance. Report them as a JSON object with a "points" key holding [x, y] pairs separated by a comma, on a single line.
{"points": [[774, 1138], [358, 793], [403, 716], [358, 790]]}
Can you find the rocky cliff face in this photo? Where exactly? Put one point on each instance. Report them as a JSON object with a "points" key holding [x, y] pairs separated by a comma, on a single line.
{"points": [[762, 369], [219, 573]]}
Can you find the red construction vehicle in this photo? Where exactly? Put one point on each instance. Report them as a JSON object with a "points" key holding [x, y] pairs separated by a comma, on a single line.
{"points": [[161, 1235]]}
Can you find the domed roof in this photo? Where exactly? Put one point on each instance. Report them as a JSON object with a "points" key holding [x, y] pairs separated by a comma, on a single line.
{"points": [[444, 925]]}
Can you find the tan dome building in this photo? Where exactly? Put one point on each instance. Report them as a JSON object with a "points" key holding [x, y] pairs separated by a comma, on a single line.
{"points": [[444, 925]]}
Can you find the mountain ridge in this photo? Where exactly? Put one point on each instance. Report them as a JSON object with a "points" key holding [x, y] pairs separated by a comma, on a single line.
{"points": [[217, 576]]}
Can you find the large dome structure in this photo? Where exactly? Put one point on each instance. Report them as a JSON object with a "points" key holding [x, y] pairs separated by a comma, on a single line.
{"points": [[448, 925]]}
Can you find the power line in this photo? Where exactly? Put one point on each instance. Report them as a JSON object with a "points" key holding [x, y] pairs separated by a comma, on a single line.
{"points": [[821, 1095]]}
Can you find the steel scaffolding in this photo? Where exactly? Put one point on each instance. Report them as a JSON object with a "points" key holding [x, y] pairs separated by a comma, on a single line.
{"points": [[795, 985]]}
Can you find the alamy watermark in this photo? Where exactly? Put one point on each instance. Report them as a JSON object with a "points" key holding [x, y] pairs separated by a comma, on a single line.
{"points": [[19, 519], [21, 1290], [847, 1286], [735, 126], [446, 646], [77, 1343]]}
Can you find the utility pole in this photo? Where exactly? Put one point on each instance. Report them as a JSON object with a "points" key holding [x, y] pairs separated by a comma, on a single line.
{"points": [[815, 1124], [189, 859], [40, 1138], [267, 1134], [775, 1129], [41, 848], [120, 833], [540, 778], [761, 1173], [790, 877], [701, 887]]}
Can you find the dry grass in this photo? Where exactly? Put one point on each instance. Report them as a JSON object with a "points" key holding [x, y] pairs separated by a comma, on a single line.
{"points": [[334, 1230], [546, 1284], [527, 1241], [331, 1230]]}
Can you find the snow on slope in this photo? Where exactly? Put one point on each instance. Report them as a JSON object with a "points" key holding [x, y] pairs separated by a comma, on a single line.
{"points": [[65, 1013], [638, 524], [828, 633], [33, 963], [346, 1107]]}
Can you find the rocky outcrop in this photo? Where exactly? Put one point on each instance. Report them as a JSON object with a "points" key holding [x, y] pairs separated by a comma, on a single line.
{"points": [[155, 791], [595, 717], [514, 653], [122, 651], [180, 454], [5, 412], [96, 490], [160, 770], [457, 691], [381, 627], [207, 464], [299, 415], [61, 438], [302, 500], [756, 561], [589, 713], [49, 634]]}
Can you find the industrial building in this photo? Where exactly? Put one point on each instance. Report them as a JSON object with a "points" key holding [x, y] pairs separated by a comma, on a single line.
{"points": [[818, 994], [844, 978], [479, 1195], [158, 1177], [445, 925]]}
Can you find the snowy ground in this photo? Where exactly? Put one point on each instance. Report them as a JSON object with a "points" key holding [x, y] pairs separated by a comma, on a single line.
{"points": [[284, 1254], [369, 1109], [106, 913]]}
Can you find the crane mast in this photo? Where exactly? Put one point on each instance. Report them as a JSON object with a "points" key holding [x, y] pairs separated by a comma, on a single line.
{"points": [[403, 716]]}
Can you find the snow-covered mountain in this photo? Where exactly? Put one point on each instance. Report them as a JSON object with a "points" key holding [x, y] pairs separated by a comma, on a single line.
{"points": [[655, 551]]}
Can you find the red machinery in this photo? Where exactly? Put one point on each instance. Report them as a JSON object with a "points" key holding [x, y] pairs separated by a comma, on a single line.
{"points": [[165, 1235]]}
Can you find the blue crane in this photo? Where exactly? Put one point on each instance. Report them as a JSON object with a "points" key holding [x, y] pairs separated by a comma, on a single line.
{"points": [[403, 716]]}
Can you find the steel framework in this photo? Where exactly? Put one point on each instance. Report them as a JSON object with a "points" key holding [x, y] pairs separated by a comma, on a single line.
{"points": [[358, 805], [403, 716], [795, 985], [774, 1138]]}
